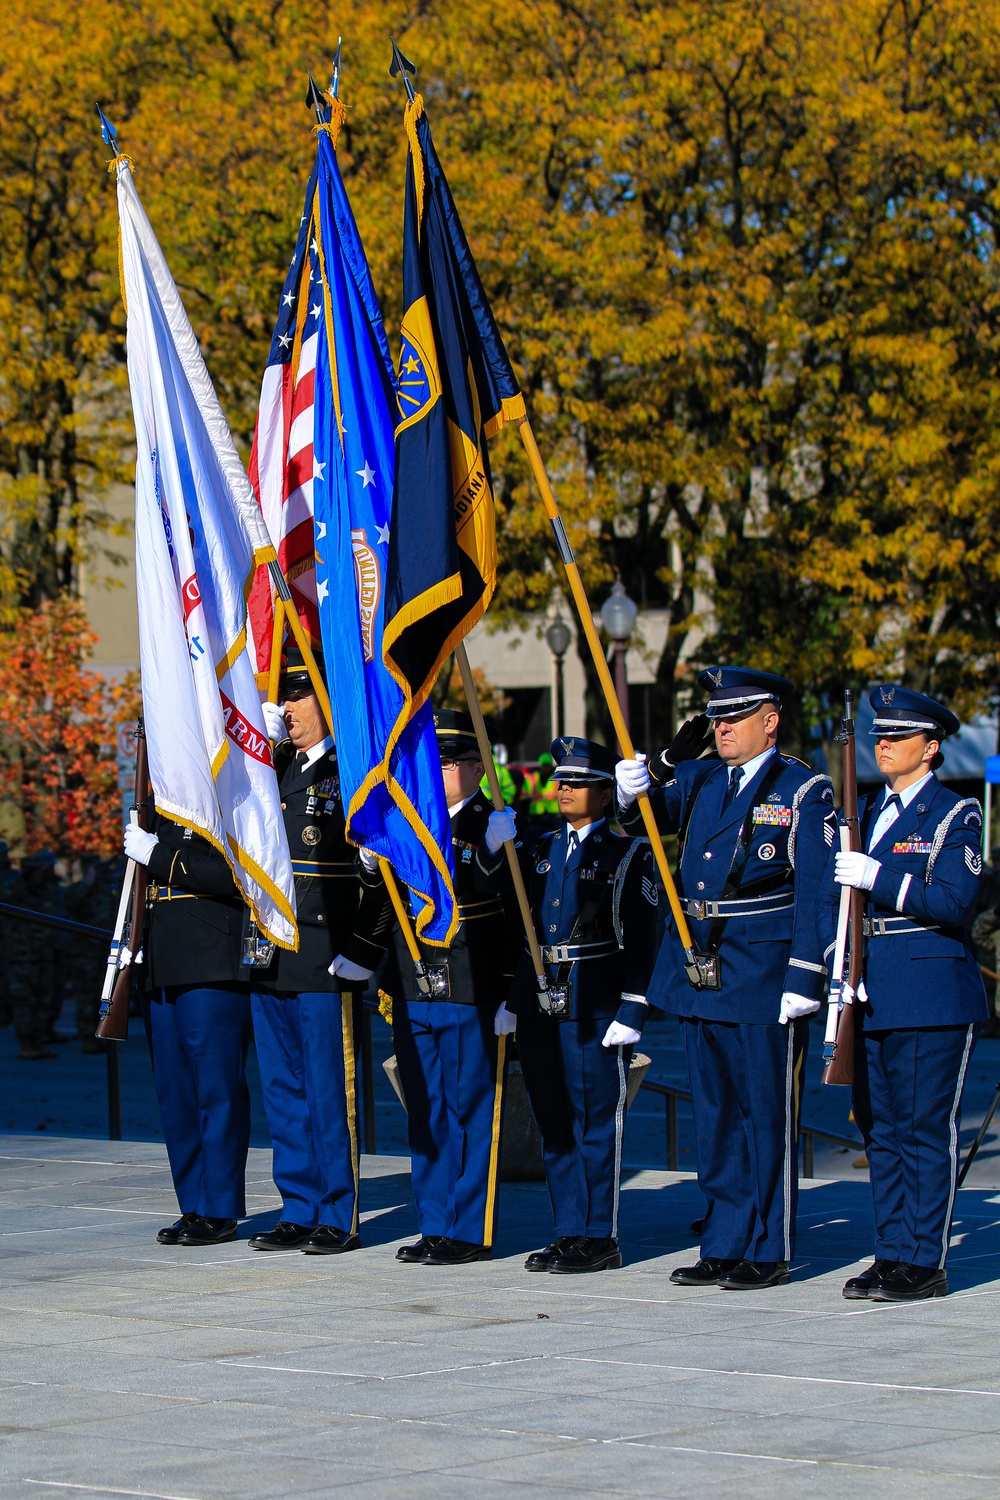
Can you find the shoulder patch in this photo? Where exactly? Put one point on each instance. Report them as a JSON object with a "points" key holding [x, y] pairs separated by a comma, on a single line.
{"points": [[974, 860], [650, 892], [973, 818], [827, 794], [829, 829]]}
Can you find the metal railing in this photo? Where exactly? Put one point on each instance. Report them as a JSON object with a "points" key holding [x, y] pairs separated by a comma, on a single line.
{"points": [[809, 1134]]}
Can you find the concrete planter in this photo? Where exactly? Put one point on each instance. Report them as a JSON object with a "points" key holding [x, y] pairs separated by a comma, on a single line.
{"points": [[520, 1143]]}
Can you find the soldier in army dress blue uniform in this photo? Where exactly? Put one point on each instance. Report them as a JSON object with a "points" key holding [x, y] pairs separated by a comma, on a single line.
{"points": [[301, 1002], [451, 1063], [197, 1016], [755, 830], [922, 999], [594, 900]]}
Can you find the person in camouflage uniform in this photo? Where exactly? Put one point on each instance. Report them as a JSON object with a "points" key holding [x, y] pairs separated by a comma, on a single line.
{"points": [[34, 957], [91, 900]]}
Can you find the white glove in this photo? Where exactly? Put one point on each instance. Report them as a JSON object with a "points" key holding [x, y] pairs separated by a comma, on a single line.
{"points": [[124, 956], [274, 722], [504, 1022], [369, 859], [353, 973], [794, 1007], [857, 869], [632, 777], [848, 997], [139, 844], [618, 1035], [501, 829]]}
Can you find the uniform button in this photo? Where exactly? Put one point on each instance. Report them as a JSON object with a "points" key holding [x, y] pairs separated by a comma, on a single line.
{"points": [[555, 901], [707, 854], [320, 918], [701, 885], [552, 927], [282, 807]]}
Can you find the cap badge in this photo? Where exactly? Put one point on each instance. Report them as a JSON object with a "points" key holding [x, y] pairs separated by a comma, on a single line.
{"points": [[887, 695], [716, 677]]}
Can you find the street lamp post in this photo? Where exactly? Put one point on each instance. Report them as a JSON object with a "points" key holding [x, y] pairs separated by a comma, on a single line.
{"points": [[618, 616], [558, 639]]}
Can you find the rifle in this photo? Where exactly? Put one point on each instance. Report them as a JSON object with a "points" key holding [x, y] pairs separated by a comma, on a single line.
{"points": [[838, 1046], [112, 1023]]}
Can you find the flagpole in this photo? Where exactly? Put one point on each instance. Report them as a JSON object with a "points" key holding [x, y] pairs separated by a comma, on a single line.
{"points": [[486, 756], [277, 637], [569, 562], [285, 604]]}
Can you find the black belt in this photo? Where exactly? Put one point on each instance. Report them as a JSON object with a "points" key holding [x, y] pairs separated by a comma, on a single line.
{"points": [[325, 869]]}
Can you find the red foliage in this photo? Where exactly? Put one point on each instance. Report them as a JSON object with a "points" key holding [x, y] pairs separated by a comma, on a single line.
{"points": [[57, 733]]}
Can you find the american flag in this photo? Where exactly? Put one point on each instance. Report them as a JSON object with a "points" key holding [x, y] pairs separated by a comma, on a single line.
{"points": [[281, 460]]}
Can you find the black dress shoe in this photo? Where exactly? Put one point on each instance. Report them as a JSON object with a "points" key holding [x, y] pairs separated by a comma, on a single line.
{"points": [[448, 1252], [911, 1284], [588, 1254], [329, 1241], [202, 1231], [541, 1260], [705, 1273], [414, 1254], [284, 1236], [170, 1235], [751, 1274], [858, 1287]]}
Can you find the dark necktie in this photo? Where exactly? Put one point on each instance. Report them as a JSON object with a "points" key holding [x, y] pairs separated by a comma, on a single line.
{"points": [[571, 843], [893, 799], [733, 789], [301, 757]]}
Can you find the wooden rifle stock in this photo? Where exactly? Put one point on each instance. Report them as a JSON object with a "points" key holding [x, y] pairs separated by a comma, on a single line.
{"points": [[113, 1023], [839, 1067]]}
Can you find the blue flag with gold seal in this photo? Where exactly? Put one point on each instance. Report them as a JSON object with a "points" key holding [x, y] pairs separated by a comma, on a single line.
{"points": [[393, 797], [455, 389]]}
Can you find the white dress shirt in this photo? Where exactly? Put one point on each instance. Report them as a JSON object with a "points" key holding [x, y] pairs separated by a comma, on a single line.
{"points": [[889, 814]]}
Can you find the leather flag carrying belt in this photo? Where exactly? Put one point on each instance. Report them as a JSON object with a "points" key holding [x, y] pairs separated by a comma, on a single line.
{"points": [[706, 971], [895, 927]]}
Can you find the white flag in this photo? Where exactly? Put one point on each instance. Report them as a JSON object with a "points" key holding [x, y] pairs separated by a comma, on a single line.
{"points": [[199, 538]]}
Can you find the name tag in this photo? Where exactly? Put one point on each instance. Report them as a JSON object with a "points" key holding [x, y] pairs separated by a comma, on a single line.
{"points": [[771, 816], [912, 846]]}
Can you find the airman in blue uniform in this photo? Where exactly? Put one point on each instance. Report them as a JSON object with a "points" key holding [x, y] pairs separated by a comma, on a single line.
{"points": [[452, 1065], [922, 1000], [594, 900], [302, 1002], [755, 830]]}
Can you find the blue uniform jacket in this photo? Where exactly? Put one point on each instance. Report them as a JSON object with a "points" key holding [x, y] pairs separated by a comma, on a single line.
{"points": [[621, 871], [920, 969], [763, 954]]}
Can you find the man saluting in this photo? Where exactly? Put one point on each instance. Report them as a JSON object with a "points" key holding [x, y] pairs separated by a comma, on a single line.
{"points": [[755, 830]]}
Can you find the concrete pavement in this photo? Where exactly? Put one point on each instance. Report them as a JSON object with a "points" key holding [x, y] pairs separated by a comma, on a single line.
{"points": [[131, 1369]]}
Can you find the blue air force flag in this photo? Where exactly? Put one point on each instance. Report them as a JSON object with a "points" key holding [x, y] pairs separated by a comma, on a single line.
{"points": [[394, 805]]}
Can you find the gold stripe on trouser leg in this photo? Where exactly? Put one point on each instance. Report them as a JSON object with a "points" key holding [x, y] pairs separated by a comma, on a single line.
{"points": [[491, 1176], [351, 1094]]}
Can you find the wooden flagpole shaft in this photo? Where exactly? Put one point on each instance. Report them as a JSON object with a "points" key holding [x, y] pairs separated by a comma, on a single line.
{"points": [[604, 676], [277, 636], [285, 603], [486, 755]]}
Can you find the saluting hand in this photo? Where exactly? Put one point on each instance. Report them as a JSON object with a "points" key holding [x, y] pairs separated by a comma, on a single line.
{"points": [[856, 869]]}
